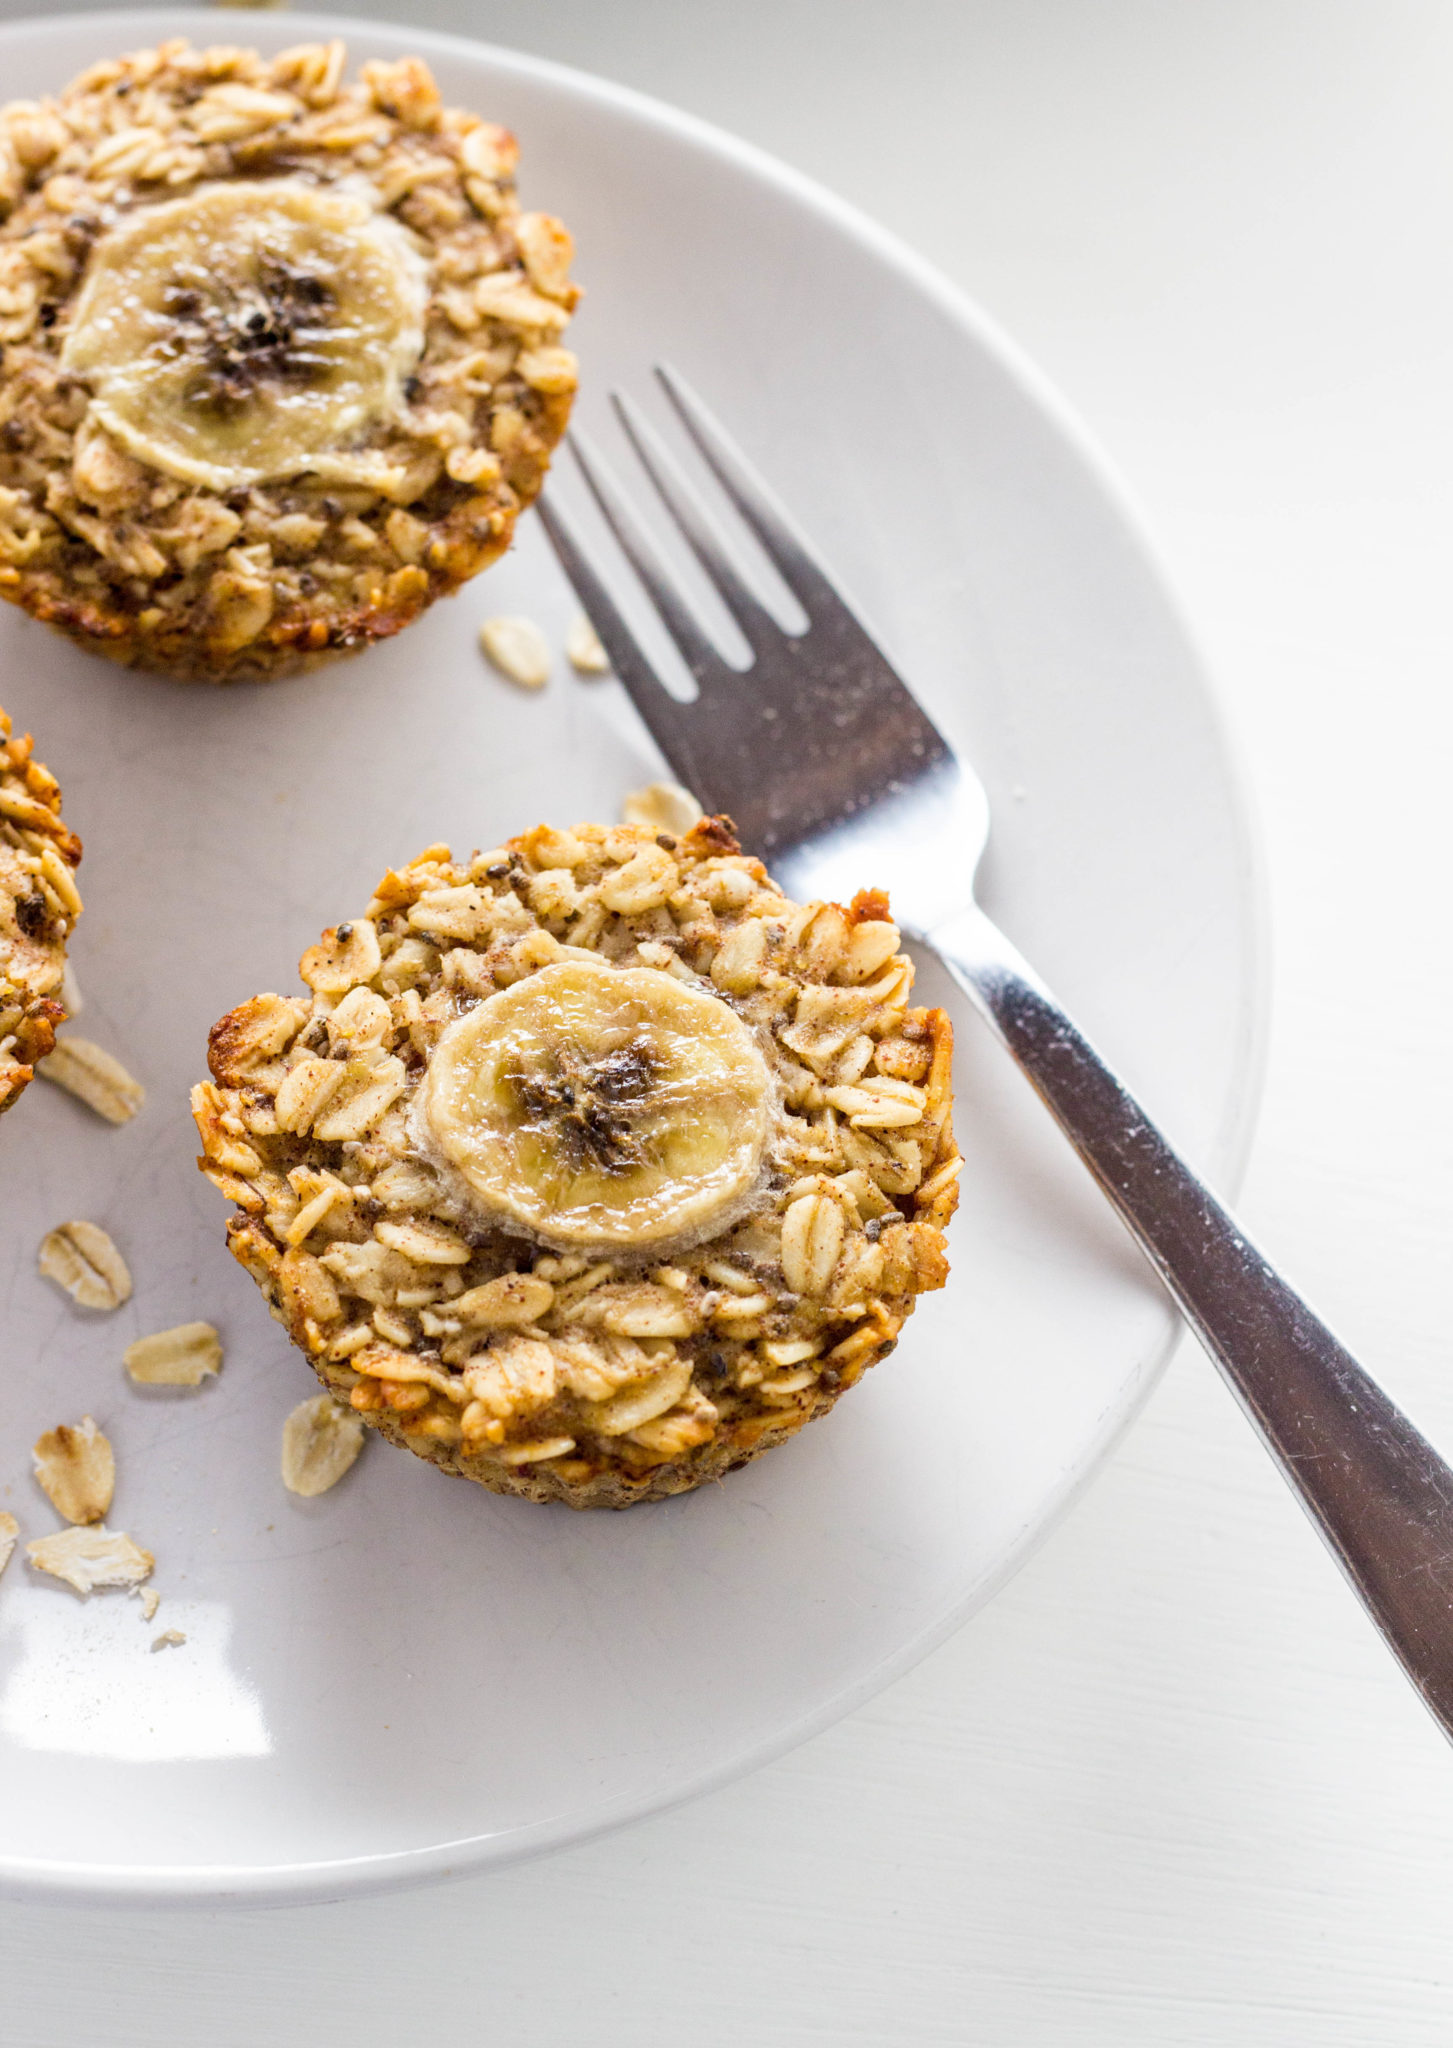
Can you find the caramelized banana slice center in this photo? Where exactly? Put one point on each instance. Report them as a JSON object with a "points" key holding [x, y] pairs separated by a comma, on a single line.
{"points": [[248, 331], [591, 1105]]}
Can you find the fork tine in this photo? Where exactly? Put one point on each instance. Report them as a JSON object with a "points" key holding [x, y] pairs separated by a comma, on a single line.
{"points": [[665, 719], [697, 651], [685, 508], [752, 499]]}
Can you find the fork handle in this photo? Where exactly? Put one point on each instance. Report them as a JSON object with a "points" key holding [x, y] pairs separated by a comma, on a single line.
{"points": [[1375, 1487]]}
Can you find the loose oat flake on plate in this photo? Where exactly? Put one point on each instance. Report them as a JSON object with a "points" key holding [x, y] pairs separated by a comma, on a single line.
{"points": [[91, 1560], [180, 1357], [95, 1077], [81, 1259], [76, 1469]]}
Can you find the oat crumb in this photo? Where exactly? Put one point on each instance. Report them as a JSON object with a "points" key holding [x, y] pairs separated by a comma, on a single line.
{"points": [[81, 1259], [76, 1470], [583, 649], [518, 649], [96, 1077], [662, 807], [169, 1639], [321, 1439], [92, 1559], [182, 1357]]}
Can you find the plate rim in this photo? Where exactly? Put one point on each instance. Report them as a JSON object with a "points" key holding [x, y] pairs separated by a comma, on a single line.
{"points": [[333, 1879]]}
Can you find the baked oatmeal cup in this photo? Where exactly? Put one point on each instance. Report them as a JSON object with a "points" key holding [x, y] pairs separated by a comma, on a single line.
{"points": [[590, 1167], [39, 905], [281, 355]]}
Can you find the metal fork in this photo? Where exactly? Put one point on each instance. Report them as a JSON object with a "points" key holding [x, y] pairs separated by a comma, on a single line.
{"points": [[832, 772]]}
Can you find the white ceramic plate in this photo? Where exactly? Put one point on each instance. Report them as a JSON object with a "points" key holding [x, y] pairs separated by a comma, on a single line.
{"points": [[409, 1676]]}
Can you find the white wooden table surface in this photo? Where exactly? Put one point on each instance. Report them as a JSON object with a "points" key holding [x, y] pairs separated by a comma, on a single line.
{"points": [[1168, 1789]]}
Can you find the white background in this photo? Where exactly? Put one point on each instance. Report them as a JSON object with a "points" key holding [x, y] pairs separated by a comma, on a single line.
{"points": [[1167, 1789]]}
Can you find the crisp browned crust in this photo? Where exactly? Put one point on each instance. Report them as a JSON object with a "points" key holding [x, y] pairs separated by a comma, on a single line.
{"points": [[597, 1380], [613, 1486], [39, 905], [165, 574]]}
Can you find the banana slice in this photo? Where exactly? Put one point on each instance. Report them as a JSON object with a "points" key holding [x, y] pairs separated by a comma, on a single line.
{"points": [[249, 331], [598, 1105]]}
